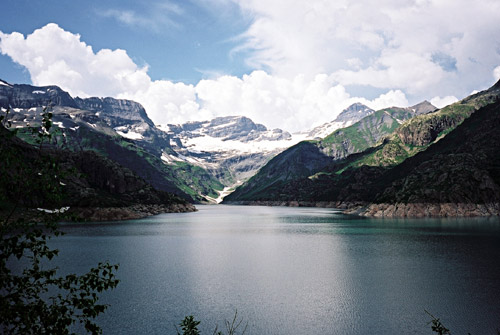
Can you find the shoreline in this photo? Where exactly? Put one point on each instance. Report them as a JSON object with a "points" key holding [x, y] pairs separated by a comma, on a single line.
{"points": [[99, 214], [390, 210], [139, 211]]}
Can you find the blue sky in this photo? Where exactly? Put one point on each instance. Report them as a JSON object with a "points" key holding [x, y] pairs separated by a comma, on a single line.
{"points": [[186, 44], [291, 64]]}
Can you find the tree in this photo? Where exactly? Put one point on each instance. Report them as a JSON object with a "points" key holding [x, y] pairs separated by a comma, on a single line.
{"points": [[35, 299]]}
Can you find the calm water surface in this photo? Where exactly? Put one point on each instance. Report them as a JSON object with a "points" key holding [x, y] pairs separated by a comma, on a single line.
{"points": [[293, 271]]}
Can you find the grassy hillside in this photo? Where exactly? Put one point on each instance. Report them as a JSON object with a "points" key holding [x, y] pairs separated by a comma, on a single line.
{"points": [[310, 157], [362, 176]]}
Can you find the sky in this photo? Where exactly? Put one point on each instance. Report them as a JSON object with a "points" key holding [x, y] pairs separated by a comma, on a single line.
{"points": [[289, 64]]}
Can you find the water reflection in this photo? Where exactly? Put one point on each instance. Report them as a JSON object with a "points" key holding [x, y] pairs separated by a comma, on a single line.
{"points": [[293, 271]]}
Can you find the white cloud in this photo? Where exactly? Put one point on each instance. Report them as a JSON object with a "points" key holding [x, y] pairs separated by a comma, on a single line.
{"points": [[442, 102], [496, 73], [423, 47], [57, 57]]}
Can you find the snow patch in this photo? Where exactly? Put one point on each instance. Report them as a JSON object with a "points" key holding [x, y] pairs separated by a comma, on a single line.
{"points": [[59, 124], [52, 211], [211, 144], [131, 135], [170, 159], [38, 92]]}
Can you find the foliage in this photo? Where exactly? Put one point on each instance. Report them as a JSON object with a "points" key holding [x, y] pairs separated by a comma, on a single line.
{"points": [[34, 299], [437, 326], [189, 326]]}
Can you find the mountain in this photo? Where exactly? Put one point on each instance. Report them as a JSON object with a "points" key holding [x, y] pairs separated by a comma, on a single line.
{"points": [[27, 96], [85, 181], [347, 117], [444, 163], [307, 158], [232, 148], [117, 129]]}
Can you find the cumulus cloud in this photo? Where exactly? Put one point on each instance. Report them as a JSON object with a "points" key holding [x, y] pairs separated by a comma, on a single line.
{"points": [[55, 56], [424, 48]]}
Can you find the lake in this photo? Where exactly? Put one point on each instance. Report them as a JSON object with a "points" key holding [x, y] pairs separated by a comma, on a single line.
{"points": [[293, 271]]}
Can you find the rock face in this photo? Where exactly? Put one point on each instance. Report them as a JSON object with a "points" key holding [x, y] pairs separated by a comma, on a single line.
{"points": [[128, 118], [238, 128], [354, 113], [27, 96]]}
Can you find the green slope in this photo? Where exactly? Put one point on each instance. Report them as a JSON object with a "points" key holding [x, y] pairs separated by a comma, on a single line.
{"points": [[345, 179], [310, 157]]}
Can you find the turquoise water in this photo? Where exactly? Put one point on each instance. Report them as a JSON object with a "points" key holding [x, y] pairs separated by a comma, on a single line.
{"points": [[293, 271]]}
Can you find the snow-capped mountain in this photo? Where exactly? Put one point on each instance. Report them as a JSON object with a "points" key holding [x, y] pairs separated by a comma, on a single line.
{"points": [[202, 159], [347, 117], [233, 148]]}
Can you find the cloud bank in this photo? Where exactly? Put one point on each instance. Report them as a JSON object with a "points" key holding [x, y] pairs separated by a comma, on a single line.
{"points": [[307, 55]]}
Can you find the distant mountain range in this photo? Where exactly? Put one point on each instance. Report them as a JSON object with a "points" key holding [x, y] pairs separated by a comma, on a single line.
{"points": [[196, 160]]}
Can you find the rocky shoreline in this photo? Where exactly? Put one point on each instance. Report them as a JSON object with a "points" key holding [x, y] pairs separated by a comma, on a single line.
{"points": [[387, 210], [422, 210], [127, 213], [96, 214]]}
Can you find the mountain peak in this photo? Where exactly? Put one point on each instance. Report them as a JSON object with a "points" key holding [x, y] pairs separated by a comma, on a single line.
{"points": [[423, 107], [354, 113]]}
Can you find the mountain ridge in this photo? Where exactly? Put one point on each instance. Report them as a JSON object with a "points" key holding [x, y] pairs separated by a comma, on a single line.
{"points": [[298, 162], [444, 177]]}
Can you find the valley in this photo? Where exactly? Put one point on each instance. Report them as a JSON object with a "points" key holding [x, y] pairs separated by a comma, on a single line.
{"points": [[235, 160]]}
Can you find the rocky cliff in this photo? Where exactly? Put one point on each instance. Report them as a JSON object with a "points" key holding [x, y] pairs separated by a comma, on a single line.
{"points": [[27, 96]]}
